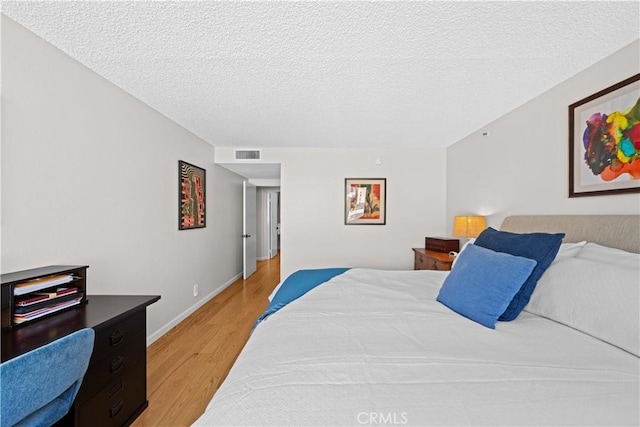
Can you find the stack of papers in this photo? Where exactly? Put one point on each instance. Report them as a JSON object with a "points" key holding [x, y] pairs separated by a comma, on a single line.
{"points": [[19, 318], [42, 283]]}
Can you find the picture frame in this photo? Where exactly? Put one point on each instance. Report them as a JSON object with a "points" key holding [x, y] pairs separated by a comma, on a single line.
{"points": [[604, 141], [365, 201], [192, 203]]}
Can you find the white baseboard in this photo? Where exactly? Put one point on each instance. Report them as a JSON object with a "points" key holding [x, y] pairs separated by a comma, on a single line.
{"points": [[166, 328]]}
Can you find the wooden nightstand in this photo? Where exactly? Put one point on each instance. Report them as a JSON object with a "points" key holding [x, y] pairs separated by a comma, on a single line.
{"points": [[432, 260]]}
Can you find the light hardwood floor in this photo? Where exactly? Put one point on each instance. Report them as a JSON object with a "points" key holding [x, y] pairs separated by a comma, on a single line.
{"points": [[187, 365]]}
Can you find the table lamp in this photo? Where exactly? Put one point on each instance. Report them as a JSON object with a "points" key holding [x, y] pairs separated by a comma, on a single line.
{"points": [[468, 226]]}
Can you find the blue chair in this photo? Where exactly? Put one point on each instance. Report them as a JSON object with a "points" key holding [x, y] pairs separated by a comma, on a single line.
{"points": [[37, 388]]}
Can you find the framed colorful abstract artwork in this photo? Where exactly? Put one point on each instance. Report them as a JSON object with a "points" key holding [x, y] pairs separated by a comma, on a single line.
{"points": [[365, 201], [604, 141], [191, 187]]}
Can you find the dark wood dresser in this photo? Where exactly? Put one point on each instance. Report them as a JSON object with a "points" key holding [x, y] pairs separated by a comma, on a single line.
{"points": [[114, 389]]}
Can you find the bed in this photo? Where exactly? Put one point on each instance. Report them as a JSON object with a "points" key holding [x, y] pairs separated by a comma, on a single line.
{"points": [[374, 347]]}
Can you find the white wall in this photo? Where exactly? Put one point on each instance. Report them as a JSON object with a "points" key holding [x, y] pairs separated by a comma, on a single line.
{"points": [[521, 167], [89, 176], [313, 234]]}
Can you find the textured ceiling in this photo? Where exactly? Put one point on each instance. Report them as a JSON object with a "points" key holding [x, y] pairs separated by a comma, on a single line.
{"points": [[333, 74]]}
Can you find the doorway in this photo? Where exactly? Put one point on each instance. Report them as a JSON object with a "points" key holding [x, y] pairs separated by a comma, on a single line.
{"points": [[249, 229], [273, 222], [264, 242], [265, 179]]}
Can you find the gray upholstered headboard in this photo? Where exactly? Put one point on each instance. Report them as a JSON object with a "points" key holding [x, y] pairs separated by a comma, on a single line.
{"points": [[616, 231]]}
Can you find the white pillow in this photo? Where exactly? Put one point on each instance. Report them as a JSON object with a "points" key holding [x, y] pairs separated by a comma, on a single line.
{"points": [[566, 249], [597, 298], [595, 252], [570, 249]]}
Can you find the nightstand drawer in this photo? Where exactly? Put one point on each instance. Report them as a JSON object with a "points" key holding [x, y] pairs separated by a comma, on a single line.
{"points": [[421, 262], [439, 265], [431, 260]]}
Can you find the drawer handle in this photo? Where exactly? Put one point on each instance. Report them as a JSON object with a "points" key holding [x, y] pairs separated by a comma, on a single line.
{"points": [[435, 266], [116, 388], [116, 338], [115, 409], [117, 364], [421, 259]]}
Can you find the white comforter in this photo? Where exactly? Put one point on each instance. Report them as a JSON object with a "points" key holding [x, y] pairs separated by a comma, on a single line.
{"points": [[373, 347]]}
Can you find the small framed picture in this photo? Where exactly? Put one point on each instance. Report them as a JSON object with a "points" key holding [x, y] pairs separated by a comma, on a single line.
{"points": [[191, 189], [604, 141], [365, 201]]}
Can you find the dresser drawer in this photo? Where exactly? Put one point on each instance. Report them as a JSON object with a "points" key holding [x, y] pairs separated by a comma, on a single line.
{"points": [[117, 402], [105, 370], [112, 338]]}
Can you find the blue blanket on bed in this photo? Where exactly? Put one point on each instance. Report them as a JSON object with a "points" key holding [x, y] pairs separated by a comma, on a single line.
{"points": [[296, 285]]}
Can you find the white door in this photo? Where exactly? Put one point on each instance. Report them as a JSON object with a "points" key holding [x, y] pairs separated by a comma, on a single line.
{"points": [[273, 223], [249, 229]]}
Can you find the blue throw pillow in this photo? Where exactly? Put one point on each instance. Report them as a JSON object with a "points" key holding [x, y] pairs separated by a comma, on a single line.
{"points": [[482, 283], [542, 247]]}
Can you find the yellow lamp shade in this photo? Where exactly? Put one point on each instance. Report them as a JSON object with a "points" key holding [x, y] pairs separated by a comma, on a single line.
{"points": [[468, 226]]}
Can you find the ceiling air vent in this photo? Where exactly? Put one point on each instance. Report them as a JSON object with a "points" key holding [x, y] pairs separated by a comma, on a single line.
{"points": [[247, 154]]}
